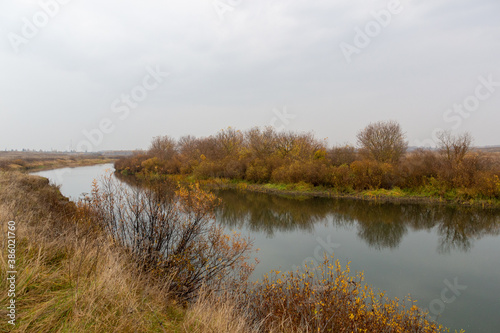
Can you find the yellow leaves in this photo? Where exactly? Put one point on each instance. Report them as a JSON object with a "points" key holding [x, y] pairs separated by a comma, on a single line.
{"points": [[335, 302]]}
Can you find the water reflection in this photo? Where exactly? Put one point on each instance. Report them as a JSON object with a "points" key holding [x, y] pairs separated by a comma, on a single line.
{"points": [[379, 225]]}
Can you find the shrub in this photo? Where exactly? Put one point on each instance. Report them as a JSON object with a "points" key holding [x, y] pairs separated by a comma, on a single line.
{"points": [[258, 172], [342, 155], [367, 174], [131, 164], [329, 299], [314, 172], [418, 166], [208, 169], [264, 155], [341, 178], [174, 238], [486, 184]]}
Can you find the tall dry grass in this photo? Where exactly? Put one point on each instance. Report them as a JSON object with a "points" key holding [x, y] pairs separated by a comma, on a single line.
{"points": [[219, 313], [70, 277]]}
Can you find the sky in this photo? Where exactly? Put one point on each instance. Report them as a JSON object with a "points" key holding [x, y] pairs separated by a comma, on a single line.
{"points": [[111, 75]]}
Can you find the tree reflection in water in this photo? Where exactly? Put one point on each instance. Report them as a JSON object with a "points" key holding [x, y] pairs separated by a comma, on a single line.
{"points": [[380, 225]]}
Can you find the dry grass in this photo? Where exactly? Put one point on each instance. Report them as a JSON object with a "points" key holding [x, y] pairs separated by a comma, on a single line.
{"points": [[70, 278], [218, 314], [73, 279]]}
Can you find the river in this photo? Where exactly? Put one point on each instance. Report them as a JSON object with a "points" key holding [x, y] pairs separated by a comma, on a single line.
{"points": [[447, 258]]}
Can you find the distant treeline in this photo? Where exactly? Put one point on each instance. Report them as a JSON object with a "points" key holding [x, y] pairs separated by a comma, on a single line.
{"points": [[379, 161]]}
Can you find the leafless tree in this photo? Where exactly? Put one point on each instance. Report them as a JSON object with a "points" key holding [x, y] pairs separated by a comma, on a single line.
{"points": [[163, 147], [229, 141], [383, 141], [454, 147]]}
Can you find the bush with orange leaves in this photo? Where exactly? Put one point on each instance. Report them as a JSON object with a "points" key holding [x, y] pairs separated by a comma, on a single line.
{"points": [[329, 299], [171, 236]]}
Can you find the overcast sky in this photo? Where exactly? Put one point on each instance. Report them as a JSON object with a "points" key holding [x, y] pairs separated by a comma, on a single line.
{"points": [[100, 67]]}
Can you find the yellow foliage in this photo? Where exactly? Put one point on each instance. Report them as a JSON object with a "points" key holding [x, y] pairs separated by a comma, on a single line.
{"points": [[328, 299]]}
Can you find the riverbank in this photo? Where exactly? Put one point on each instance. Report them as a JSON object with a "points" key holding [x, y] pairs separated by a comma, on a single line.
{"points": [[71, 277], [33, 161], [304, 190]]}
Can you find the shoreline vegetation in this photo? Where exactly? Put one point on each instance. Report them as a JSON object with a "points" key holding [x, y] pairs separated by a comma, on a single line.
{"points": [[76, 274], [296, 164], [304, 191]]}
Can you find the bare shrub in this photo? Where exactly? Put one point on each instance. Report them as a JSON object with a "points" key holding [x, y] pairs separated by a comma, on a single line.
{"points": [[339, 155], [163, 147], [454, 148], [172, 237], [417, 167], [70, 277]]}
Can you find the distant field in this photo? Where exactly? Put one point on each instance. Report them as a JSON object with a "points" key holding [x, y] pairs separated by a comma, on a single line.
{"points": [[493, 153], [23, 161], [490, 150]]}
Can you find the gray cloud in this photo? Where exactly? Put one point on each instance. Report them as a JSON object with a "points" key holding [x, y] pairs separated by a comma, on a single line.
{"points": [[233, 72]]}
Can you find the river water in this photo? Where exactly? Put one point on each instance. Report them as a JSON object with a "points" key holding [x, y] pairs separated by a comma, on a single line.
{"points": [[446, 258]]}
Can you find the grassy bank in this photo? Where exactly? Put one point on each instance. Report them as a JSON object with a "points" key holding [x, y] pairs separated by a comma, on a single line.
{"points": [[73, 277]]}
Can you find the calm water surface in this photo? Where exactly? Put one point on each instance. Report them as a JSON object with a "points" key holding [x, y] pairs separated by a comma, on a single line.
{"points": [[403, 249]]}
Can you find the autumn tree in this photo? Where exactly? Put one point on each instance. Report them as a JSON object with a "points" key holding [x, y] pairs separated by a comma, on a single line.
{"points": [[261, 143], [297, 145], [229, 141], [163, 147], [383, 141], [454, 147]]}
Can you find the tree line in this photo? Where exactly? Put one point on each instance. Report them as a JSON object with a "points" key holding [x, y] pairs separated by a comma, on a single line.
{"points": [[380, 160]]}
